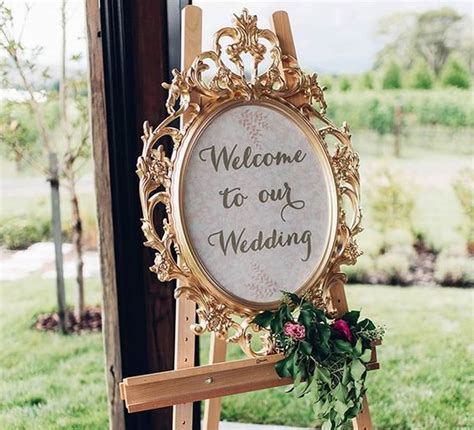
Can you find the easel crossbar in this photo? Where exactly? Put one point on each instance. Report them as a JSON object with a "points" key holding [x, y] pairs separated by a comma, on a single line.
{"points": [[163, 389], [158, 390]]}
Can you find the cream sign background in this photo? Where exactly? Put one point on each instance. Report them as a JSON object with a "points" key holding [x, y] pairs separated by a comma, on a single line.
{"points": [[257, 204]]}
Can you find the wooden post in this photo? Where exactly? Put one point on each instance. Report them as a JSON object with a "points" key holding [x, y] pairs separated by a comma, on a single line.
{"points": [[113, 359], [58, 240], [140, 313]]}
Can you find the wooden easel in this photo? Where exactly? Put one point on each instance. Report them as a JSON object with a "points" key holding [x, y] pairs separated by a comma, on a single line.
{"points": [[220, 378]]}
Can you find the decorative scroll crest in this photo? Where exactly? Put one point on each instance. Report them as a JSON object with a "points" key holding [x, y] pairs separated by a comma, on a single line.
{"points": [[191, 94]]}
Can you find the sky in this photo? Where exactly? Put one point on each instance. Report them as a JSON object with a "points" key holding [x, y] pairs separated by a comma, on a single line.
{"points": [[330, 36]]}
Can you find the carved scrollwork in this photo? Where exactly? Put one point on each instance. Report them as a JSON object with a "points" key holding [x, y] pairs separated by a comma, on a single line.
{"points": [[189, 95]]}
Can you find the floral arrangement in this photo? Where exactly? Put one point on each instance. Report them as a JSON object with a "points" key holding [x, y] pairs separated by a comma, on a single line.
{"points": [[326, 358]]}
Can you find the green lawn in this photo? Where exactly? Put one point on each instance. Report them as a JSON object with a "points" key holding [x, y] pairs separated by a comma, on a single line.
{"points": [[50, 382]]}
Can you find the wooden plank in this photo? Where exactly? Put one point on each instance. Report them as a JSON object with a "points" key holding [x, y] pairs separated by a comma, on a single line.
{"points": [[204, 382], [113, 360], [212, 407], [185, 309], [162, 389]]}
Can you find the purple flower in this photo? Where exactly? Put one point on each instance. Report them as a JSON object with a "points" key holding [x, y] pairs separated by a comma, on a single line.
{"points": [[341, 329]]}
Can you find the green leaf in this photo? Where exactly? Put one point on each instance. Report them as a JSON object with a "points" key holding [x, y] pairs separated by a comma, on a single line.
{"points": [[366, 355], [322, 374], [357, 370], [358, 348], [343, 346], [263, 320], [340, 407], [351, 317], [346, 374], [366, 324], [305, 347], [276, 324], [327, 425], [302, 388], [292, 296], [281, 367], [340, 392], [306, 317]]}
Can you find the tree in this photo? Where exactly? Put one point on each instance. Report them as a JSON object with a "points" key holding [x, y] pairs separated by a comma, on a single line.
{"points": [[17, 135], [345, 84], [392, 78], [455, 74], [366, 81], [432, 35], [71, 107], [386, 119], [435, 36], [421, 76]]}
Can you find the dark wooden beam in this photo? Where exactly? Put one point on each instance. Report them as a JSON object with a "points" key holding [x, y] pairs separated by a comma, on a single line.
{"points": [[137, 53]]}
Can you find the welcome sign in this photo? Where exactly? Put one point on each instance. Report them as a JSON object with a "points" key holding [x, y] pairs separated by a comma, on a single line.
{"points": [[258, 202], [260, 190]]}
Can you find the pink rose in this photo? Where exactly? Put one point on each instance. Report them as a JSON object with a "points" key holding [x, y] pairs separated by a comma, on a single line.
{"points": [[341, 329], [296, 331]]}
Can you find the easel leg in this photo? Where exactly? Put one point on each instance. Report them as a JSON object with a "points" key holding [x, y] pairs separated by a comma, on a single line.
{"points": [[191, 18], [212, 407], [363, 421], [184, 357]]}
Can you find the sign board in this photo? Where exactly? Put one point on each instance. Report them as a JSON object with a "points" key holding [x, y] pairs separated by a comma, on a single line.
{"points": [[261, 190]]}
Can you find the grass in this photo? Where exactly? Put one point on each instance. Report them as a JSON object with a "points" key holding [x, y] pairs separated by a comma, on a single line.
{"points": [[48, 381], [426, 377], [52, 382]]}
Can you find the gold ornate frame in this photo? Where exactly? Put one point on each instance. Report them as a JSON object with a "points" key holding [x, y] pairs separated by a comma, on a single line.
{"points": [[193, 98]]}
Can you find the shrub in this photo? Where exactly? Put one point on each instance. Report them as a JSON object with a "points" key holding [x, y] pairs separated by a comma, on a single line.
{"points": [[393, 268], [420, 76], [455, 270], [380, 117], [392, 78], [345, 84], [366, 81], [464, 190], [362, 271], [391, 201], [398, 238], [455, 74], [21, 232], [451, 108]]}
